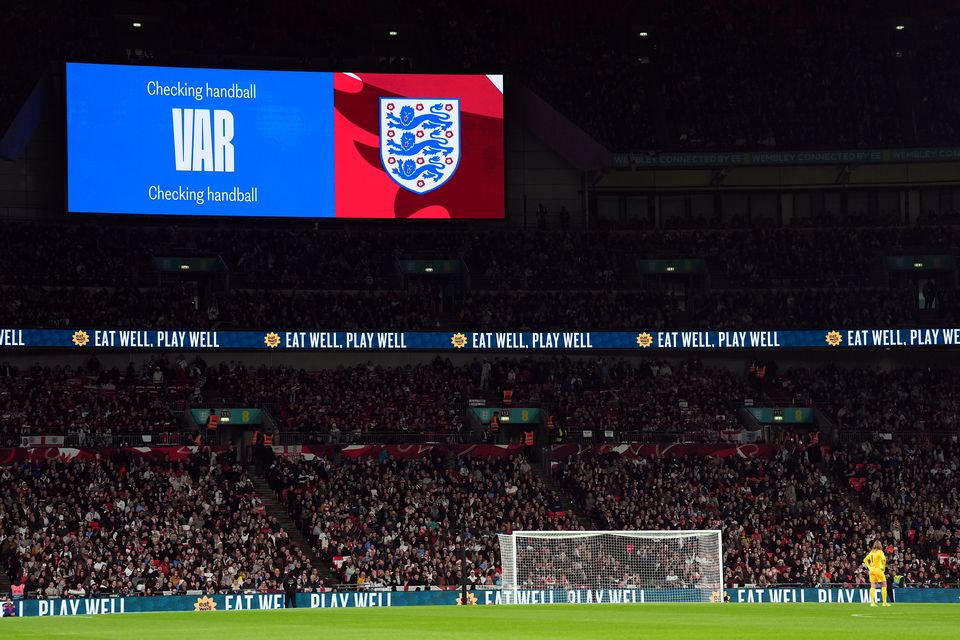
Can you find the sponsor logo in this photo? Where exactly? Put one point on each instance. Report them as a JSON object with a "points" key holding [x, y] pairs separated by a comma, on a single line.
{"points": [[272, 339]]}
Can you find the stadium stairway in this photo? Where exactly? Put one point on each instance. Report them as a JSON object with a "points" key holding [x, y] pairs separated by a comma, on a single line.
{"points": [[4, 583], [275, 509], [568, 505], [852, 496]]}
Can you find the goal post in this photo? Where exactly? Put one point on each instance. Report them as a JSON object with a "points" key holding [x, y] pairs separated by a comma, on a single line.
{"points": [[544, 567]]}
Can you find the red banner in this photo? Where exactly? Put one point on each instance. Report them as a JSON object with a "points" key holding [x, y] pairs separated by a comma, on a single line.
{"points": [[677, 450], [397, 451], [65, 454]]}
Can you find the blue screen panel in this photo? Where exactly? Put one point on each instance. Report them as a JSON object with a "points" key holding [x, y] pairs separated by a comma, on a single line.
{"points": [[160, 140]]}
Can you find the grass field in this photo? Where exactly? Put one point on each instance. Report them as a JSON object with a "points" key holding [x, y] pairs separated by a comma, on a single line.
{"points": [[535, 622]]}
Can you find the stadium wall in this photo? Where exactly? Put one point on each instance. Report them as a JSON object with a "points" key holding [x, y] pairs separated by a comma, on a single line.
{"points": [[536, 174], [786, 177], [336, 600]]}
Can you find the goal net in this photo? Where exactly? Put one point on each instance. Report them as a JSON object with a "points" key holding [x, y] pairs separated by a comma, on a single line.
{"points": [[543, 567]]}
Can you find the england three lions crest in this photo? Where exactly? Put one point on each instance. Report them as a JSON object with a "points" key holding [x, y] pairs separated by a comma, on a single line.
{"points": [[420, 141]]}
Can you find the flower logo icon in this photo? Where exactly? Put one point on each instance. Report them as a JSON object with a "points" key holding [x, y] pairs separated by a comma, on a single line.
{"points": [[272, 339]]}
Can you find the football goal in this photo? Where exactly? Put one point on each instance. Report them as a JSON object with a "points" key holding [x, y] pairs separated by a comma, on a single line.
{"points": [[611, 566]]}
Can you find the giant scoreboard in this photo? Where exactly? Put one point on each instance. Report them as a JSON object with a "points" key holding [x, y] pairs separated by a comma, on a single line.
{"points": [[228, 142]]}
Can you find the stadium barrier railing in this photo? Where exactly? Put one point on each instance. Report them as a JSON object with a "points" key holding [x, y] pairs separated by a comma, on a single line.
{"points": [[124, 439], [914, 436], [373, 437]]}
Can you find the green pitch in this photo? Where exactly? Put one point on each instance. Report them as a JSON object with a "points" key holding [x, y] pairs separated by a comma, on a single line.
{"points": [[550, 622]]}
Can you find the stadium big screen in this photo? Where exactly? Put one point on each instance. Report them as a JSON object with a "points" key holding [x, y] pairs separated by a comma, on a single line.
{"points": [[162, 140]]}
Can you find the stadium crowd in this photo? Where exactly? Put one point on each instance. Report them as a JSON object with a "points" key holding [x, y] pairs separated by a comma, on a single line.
{"points": [[869, 400], [346, 402], [386, 523], [147, 526], [784, 520], [310, 256], [55, 307], [835, 307], [92, 406], [344, 311], [648, 396], [913, 492], [795, 308], [130, 525], [392, 524], [637, 399], [352, 404], [423, 308], [551, 280]]}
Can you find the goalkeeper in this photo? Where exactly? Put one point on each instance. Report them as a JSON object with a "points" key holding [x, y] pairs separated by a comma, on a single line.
{"points": [[876, 564]]}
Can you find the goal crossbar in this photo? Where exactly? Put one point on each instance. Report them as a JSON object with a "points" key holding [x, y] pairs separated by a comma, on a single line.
{"points": [[626, 533]]}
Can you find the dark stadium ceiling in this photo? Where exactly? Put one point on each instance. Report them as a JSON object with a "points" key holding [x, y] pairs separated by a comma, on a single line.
{"points": [[371, 13]]}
